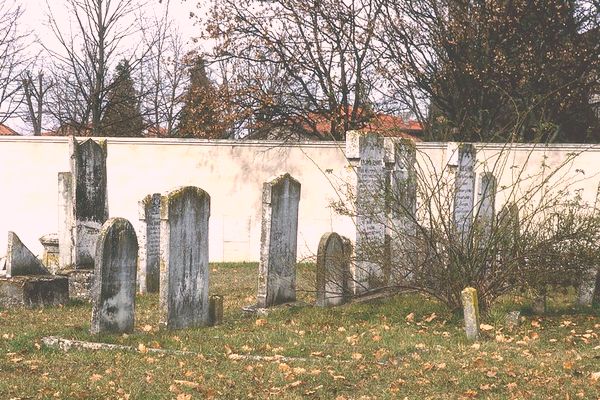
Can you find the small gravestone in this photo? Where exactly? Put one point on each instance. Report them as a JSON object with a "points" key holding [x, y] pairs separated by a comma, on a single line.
{"points": [[20, 261], [149, 242], [216, 309], [371, 186], [471, 312], [402, 208], [333, 270], [279, 235], [184, 217], [113, 291], [464, 193]]}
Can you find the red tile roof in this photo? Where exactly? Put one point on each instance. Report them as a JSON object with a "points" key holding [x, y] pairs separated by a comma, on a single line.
{"points": [[6, 131]]}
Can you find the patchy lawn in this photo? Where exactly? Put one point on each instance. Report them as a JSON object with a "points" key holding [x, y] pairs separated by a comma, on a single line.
{"points": [[406, 346]]}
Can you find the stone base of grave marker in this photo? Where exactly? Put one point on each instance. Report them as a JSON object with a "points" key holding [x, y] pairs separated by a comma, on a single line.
{"points": [[51, 255], [80, 283], [33, 291]]}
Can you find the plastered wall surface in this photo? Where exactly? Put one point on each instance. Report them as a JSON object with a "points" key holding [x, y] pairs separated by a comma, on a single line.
{"points": [[232, 172]]}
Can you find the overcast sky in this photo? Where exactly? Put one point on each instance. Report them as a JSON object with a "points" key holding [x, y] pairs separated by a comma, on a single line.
{"points": [[35, 17]]}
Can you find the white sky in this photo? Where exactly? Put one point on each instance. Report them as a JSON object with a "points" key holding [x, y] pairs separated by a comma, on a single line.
{"points": [[35, 17]]}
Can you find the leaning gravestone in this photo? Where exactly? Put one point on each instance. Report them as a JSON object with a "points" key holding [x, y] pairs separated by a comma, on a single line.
{"points": [[149, 244], [464, 191], [113, 291], [371, 186], [333, 270], [184, 215], [279, 233], [20, 261]]}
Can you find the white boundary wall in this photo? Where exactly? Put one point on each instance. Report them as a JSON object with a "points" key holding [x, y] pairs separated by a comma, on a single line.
{"points": [[232, 172]]}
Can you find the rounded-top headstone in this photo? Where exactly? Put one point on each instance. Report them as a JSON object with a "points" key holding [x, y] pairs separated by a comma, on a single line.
{"points": [[113, 291]]}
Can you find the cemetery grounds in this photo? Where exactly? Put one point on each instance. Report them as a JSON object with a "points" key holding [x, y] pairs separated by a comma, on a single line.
{"points": [[406, 346]]}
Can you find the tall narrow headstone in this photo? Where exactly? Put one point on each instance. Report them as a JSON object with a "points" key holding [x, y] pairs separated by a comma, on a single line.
{"points": [[402, 208], [20, 261], [149, 244], [88, 167], [113, 291], [278, 241], [464, 191], [368, 271], [333, 270], [184, 215], [486, 203], [66, 221]]}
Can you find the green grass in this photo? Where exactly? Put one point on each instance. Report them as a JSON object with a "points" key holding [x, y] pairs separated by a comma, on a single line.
{"points": [[360, 351]]}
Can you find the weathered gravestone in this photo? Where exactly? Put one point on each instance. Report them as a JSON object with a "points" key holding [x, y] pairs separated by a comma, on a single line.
{"points": [[279, 235], [83, 204], [333, 270], [401, 209], [464, 191], [366, 151], [20, 261], [113, 291], [149, 244], [486, 202], [588, 287], [184, 215]]}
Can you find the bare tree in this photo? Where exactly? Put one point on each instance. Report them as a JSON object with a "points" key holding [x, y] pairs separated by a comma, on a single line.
{"points": [[163, 76], [35, 89], [323, 52], [13, 58], [89, 49]]}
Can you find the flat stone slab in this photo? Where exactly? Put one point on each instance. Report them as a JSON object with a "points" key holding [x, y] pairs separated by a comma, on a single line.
{"points": [[33, 291]]}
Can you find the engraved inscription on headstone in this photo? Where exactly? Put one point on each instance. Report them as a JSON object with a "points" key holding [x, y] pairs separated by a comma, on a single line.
{"points": [[279, 232], [464, 190], [113, 290], [184, 215]]}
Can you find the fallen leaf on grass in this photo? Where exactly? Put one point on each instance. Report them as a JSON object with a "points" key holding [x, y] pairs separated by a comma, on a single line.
{"points": [[189, 384], [486, 327], [431, 317], [260, 322], [356, 356], [410, 317], [595, 376], [95, 377]]}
